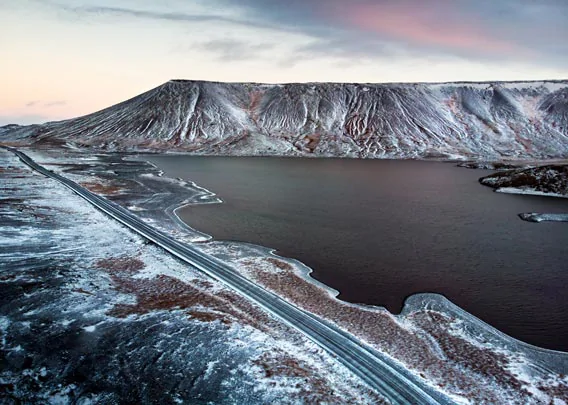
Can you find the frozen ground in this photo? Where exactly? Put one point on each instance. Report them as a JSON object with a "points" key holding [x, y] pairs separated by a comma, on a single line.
{"points": [[91, 313], [446, 346]]}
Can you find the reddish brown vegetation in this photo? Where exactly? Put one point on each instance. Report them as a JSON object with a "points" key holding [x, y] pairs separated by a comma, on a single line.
{"points": [[104, 189], [282, 365], [311, 388], [282, 265], [205, 316], [313, 141], [167, 293], [129, 265], [47, 142], [559, 391], [160, 293], [477, 359], [10, 170], [255, 99], [382, 331], [14, 144]]}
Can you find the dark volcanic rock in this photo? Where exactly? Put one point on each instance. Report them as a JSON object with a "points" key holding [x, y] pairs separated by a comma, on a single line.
{"points": [[492, 165], [552, 179]]}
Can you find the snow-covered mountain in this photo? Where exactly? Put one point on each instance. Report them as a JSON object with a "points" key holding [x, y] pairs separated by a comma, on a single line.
{"points": [[455, 120]]}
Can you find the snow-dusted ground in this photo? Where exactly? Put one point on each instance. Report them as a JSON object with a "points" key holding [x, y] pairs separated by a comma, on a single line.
{"points": [[490, 121], [91, 313], [543, 180], [549, 180], [446, 346]]}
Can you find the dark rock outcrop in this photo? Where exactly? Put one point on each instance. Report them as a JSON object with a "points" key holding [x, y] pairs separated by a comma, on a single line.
{"points": [[551, 179]]}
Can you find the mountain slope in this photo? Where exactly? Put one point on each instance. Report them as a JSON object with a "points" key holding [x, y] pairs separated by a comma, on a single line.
{"points": [[467, 120]]}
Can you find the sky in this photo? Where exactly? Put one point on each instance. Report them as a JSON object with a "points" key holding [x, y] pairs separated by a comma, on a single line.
{"points": [[65, 58]]}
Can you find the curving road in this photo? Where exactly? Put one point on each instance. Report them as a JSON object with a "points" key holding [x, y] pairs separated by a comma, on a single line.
{"points": [[380, 372]]}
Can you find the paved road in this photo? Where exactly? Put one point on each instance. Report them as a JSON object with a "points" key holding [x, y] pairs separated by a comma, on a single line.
{"points": [[379, 371]]}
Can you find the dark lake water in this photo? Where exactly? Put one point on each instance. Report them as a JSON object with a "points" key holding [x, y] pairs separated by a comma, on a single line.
{"points": [[379, 231]]}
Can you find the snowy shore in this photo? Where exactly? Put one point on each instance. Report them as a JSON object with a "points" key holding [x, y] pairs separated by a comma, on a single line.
{"points": [[449, 348], [92, 313], [546, 181]]}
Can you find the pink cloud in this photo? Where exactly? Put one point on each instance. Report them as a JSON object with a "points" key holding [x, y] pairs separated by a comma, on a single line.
{"points": [[424, 27]]}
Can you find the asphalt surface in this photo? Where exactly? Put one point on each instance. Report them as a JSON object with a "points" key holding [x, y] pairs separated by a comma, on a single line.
{"points": [[379, 371]]}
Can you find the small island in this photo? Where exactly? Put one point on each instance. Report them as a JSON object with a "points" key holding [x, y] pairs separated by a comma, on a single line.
{"points": [[550, 180]]}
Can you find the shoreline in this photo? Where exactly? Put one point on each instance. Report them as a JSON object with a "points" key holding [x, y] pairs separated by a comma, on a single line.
{"points": [[414, 302], [117, 312], [521, 191], [409, 303], [439, 343], [540, 181]]}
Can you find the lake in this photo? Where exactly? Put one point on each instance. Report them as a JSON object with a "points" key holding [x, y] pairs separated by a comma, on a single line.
{"points": [[379, 231]]}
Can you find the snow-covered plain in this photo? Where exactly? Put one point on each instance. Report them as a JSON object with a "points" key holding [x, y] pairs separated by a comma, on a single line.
{"points": [[498, 120], [444, 345], [91, 313]]}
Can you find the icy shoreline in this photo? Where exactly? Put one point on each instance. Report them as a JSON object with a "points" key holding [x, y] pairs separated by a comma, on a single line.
{"points": [[429, 324], [205, 196], [543, 180], [92, 313], [528, 191], [413, 303], [556, 361], [537, 217]]}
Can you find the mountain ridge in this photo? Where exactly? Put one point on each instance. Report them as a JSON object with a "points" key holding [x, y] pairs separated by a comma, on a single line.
{"points": [[462, 120]]}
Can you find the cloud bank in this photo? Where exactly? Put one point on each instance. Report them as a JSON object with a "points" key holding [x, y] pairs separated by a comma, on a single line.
{"points": [[523, 30]]}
